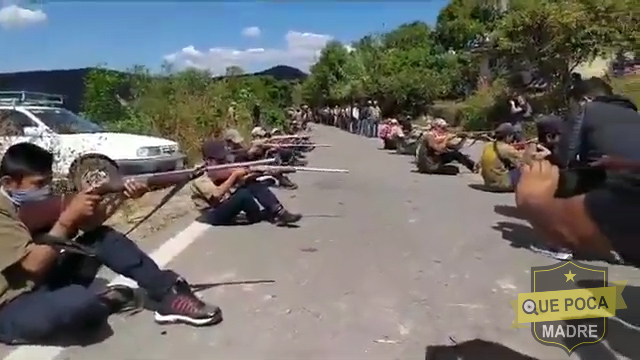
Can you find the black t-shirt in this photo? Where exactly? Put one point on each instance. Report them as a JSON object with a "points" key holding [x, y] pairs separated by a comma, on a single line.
{"points": [[610, 126]]}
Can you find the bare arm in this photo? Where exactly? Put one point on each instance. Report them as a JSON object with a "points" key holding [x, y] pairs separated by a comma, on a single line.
{"points": [[564, 222], [514, 108], [438, 145]]}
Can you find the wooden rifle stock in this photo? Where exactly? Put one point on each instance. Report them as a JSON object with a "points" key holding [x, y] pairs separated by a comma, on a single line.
{"points": [[40, 216]]}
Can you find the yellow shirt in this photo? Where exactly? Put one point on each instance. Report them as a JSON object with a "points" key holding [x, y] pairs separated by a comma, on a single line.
{"points": [[494, 172]]}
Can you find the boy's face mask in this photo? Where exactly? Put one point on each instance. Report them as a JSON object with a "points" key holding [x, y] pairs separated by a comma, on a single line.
{"points": [[28, 189]]}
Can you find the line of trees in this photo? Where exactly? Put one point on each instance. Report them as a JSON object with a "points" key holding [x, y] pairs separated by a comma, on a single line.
{"points": [[411, 67], [185, 106]]}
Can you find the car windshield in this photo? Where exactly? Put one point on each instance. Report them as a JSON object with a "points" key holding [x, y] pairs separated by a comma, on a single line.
{"points": [[64, 121]]}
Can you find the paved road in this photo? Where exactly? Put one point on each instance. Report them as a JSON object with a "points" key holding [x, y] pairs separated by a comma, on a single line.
{"points": [[383, 254]]}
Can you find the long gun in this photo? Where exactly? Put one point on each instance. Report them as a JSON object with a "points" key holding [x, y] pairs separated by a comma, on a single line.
{"points": [[288, 137], [295, 145], [292, 169], [40, 216]]}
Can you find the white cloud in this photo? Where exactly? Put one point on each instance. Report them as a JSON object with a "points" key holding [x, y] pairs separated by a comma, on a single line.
{"points": [[301, 50], [14, 16], [252, 31]]}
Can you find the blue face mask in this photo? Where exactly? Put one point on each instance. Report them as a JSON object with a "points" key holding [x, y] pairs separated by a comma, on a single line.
{"points": [[19, 197]]}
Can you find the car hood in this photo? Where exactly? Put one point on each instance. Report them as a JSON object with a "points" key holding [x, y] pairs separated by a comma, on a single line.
{"points": [[116, 146]]}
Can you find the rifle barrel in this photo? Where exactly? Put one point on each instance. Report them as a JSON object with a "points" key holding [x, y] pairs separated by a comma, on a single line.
{"points": [[288, 137], [299, 168], [169, 178], [299, 145]]}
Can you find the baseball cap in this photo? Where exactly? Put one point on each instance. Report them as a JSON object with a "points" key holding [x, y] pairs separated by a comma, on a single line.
{"points": [[440, 122], [233, 135], [216, 150]]}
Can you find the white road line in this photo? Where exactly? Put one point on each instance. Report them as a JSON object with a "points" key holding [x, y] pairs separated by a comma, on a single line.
{"points": [[162, 256]]}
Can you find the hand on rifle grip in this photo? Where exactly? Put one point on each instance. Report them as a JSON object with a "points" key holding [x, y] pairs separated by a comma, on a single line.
{"points": [[82, 206]]}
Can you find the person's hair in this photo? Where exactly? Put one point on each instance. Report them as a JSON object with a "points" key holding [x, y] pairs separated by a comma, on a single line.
{"points": [[501, 136], [26, 159], [591, 87]]}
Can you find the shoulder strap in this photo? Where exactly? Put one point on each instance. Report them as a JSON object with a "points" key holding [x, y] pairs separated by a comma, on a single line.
{"points": [[506, 162], [573, 144]]}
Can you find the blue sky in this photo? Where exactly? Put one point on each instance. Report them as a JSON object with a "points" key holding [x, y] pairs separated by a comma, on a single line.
{"points": [[208, 35]]}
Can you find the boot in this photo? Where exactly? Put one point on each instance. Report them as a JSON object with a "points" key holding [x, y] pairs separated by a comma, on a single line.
{"points": [[286, 183], [284, 218]]}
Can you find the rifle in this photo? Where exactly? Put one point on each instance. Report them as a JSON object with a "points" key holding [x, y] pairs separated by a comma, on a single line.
{"points": [[288, 137], [295, 145], [40, 216], [292, 169]]}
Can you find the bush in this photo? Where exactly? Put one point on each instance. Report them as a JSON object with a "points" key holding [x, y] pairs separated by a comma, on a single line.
{"points": [[451, 111], [628, 86], [186, 107], [480, 111]]}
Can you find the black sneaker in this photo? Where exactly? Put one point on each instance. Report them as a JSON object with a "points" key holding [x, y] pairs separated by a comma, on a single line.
{"points": [[286, 218], [181, 305], [121, 299]]}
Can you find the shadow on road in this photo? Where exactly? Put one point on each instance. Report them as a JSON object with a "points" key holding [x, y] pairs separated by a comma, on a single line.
{"points": [[624, 329], [508, 211], [207, 286], [489, 189], [476, 349], [519, 235], [323, 216]]}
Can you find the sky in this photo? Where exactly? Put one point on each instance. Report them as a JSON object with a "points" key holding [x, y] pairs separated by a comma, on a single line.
{"points": [[45, 35]]}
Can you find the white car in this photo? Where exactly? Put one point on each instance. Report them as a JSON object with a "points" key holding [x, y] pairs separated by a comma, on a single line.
{"points": [[78, 143]]}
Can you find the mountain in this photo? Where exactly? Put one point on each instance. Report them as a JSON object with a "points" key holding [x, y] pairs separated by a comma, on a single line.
{"points": [[283, 72], [69, 83], [278, 72]]}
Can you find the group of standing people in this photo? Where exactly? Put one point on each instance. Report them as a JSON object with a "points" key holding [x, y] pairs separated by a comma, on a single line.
{"points": [[358, 118]]}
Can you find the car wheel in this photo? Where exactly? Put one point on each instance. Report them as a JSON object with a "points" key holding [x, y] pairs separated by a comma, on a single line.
{"points": [[93, 171]]}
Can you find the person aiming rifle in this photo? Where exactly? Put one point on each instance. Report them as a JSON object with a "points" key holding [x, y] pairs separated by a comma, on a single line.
{"points": [[594, 212], [43, 291], [221, 196], [441, 147], [235, 143]]}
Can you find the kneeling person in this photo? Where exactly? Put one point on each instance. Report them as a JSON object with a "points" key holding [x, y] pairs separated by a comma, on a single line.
{"points": [[222, 195], [44, 292]]}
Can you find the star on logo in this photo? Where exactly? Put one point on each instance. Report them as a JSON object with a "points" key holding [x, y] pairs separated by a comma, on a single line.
{"points": [[570, 276]]}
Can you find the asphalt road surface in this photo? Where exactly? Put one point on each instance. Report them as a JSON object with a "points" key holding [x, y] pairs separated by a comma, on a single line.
{"points": [[385, 263]]}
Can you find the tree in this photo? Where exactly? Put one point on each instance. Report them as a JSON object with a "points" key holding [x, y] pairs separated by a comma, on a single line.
{"points": [[233, 71], [555, 37]]}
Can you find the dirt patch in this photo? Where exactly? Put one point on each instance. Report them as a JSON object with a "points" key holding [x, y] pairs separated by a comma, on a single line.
{"points": [[132, 211]]}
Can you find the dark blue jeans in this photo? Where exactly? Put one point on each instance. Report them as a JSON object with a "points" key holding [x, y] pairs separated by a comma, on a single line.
{"points": [[63, 303], [245, 199]]}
